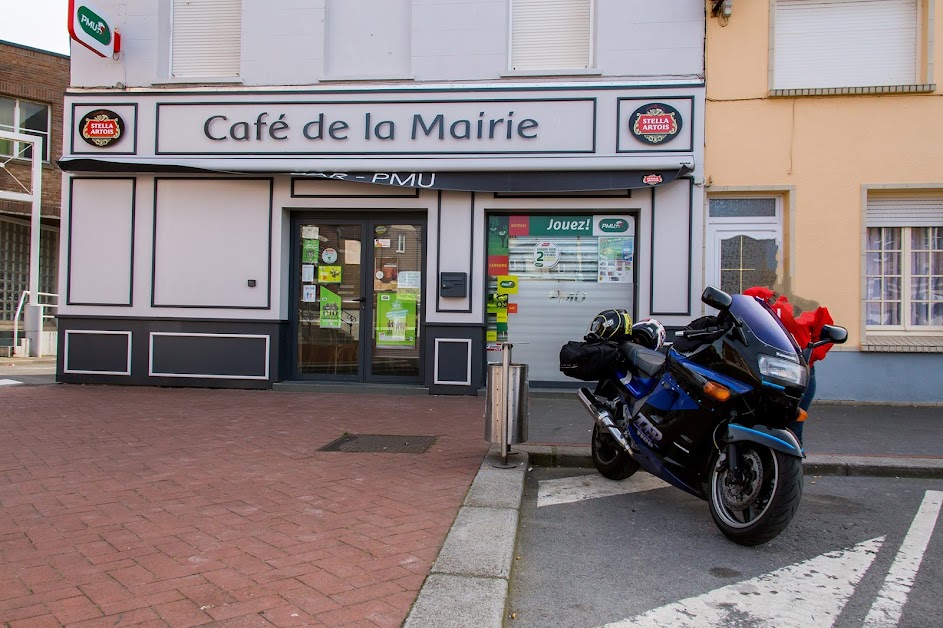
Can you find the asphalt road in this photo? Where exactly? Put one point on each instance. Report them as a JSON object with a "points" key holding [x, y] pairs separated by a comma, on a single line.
{"points": [[613, 559], [16, 372]]}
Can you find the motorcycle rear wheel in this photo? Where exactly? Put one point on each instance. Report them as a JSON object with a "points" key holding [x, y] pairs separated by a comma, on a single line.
{"points": [[609, 458], [756, 508]]}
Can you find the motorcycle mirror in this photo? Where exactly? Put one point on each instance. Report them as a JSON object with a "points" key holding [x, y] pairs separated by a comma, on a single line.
{"points": [[715, 298], [834, 334]]}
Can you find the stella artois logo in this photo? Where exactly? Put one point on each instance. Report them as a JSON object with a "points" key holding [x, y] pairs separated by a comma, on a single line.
{"points": [[655, 123], [101, 127], [652, 179]]}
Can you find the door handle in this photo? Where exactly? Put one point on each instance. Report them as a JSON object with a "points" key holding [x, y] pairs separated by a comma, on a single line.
{"points": [[360, 299]]}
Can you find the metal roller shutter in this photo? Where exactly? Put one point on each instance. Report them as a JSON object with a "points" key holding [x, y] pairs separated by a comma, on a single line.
{"points": [[551, 34], [905, 212], [207, 38], [844, 43]]}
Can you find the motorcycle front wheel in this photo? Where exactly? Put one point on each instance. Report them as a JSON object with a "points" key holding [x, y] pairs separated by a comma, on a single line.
{"points": [[609, 458], [755, 505]]}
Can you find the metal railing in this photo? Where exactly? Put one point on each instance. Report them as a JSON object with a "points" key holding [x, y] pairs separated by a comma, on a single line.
{"points": [[43, 317]]}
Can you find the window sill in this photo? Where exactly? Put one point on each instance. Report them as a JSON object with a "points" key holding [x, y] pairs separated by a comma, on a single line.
{"points": [[198, 80], [366, 78], [903, 344], [534, 73], [923, 88]]}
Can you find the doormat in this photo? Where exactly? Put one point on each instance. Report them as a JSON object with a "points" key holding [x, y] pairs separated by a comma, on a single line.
{"points": [[379, 443]]}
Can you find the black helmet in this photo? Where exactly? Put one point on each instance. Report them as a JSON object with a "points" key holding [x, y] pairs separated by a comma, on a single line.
{"points": [[610, 325], [649, 333]]}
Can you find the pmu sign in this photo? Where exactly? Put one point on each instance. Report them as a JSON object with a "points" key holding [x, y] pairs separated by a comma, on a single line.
{"points": [[90, 27]]}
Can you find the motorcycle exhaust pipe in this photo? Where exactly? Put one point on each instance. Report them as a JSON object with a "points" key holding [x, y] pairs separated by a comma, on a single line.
{"points": [[602, 417]]}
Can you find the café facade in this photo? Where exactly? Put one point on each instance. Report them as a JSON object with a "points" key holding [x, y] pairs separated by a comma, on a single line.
{"points": [[391, 235]]}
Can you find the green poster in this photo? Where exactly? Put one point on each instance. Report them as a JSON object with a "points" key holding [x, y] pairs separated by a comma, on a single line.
{"points": [[396, 321], [498, 235], [330, 310], [310, 250]]}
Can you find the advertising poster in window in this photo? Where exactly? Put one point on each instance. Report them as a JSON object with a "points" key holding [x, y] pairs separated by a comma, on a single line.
{"points": [[616, 259], [330, 310], [396, 321], [409, 284], [329, 274], [310, 250]]}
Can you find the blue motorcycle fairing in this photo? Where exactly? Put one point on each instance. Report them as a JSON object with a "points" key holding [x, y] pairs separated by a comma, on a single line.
{"points": [[780, 440], [638, 387], [732, 384], [650, 462]]}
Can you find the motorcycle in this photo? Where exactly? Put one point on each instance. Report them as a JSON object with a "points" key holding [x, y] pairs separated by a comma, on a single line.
{"points": [[710, 415]]}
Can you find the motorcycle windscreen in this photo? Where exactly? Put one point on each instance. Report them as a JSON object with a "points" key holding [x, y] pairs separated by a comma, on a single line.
{"points": [[763, 323]]}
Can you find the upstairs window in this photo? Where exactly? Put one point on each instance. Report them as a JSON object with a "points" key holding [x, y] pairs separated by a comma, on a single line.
{"points": [[22, 116], [551, 35], [904, 264], [844, 43], [207, 39]]}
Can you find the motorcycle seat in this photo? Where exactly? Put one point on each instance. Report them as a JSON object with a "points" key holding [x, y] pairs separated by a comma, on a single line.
{"points": [[645, 361]]}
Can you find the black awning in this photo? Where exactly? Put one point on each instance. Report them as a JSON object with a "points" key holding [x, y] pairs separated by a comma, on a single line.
{"points": [[468, 181]]}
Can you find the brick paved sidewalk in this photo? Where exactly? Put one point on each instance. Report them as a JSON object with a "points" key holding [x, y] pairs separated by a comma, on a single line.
{"points": [[181, 507]]}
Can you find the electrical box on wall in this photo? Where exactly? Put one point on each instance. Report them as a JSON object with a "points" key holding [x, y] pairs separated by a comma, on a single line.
{"points": [[453, 285]]}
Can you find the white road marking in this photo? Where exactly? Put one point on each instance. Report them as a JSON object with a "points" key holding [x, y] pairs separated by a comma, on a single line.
{"points": [[9, 382], [576, 489], [887, 608], [810, 593]]}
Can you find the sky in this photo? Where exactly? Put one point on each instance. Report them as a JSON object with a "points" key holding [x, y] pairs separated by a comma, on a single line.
{"points": [[39, 24]]}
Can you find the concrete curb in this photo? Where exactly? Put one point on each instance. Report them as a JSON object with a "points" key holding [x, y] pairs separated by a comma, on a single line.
{"points": [[468, 583], [815, 464]]}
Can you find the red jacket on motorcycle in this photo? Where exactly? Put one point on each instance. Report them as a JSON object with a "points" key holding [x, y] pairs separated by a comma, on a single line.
{"points": [[805, 328]]}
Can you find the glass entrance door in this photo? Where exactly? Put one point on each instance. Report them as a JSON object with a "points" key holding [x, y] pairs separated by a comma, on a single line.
{"points": [[357, 301]]}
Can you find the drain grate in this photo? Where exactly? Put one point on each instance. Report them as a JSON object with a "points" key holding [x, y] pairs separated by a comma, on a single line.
{"points": [[380, 443]]}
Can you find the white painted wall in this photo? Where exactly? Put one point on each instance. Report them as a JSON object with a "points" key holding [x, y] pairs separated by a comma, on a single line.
{"points": [[212, 237], [100, 236], [284, 42]]}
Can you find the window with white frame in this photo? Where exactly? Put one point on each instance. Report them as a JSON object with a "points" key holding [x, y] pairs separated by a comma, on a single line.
{"points": [[744, 243], [551, 35], [904, 264], [22, 116], [845, 43], [206, 41]]}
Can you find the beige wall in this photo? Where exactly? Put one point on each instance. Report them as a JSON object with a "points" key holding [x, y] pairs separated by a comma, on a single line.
{"points": [[824, 148]]}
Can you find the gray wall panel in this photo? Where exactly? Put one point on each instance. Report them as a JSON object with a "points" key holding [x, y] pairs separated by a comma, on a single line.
{"points": [[193, 355]]}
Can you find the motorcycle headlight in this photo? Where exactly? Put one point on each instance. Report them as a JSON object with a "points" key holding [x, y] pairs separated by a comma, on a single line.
{"points": [[784, 370]]}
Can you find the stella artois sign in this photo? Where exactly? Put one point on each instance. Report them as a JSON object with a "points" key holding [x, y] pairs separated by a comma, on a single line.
{"points": [[655, 123], [652, 179], [101, 127]]}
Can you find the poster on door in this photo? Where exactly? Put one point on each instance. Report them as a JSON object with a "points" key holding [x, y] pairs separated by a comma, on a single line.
{"points": [[330, 309], [310, 250], [396, 321]]}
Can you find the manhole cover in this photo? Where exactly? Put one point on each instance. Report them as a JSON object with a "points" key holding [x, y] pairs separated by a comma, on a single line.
{"points": [[379, 443]]}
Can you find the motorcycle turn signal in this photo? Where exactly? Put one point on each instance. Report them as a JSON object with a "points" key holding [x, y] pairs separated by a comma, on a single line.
{"points": [[716, 391]]}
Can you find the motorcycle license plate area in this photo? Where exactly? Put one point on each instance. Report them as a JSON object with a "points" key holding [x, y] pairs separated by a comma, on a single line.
{"points": [[548, 276]]}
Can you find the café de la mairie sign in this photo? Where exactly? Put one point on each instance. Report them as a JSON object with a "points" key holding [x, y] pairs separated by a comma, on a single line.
{"points": [[479, 126]]}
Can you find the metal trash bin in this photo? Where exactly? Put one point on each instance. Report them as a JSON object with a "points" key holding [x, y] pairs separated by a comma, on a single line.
{"points": [[518, 410]]}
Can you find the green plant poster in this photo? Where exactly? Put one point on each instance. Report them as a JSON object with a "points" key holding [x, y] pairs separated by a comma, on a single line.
{"points": [[310, 250], [396, 321], [330, 310]]}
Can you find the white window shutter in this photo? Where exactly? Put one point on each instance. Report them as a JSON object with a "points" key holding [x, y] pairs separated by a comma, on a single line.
{"points": [[905, 211], [844, 43], [207, 38], [551, 34]]}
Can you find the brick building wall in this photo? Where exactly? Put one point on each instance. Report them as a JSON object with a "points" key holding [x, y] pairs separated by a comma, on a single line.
{"points": [[40, 77]]}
